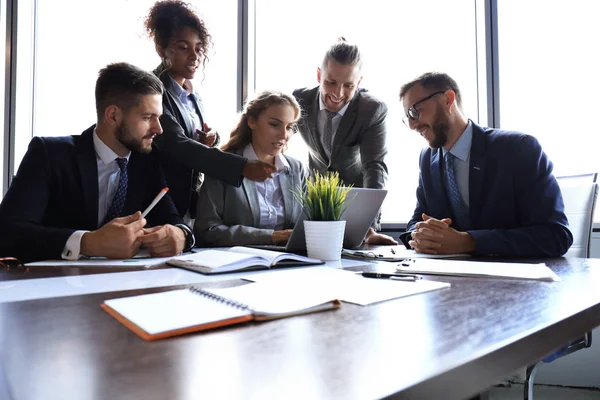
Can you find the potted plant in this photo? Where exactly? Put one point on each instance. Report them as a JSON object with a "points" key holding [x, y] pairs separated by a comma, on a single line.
{"points": [[323, 202]]}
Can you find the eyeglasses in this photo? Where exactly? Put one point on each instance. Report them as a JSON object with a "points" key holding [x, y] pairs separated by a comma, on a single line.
{"points": [[413, 113]]}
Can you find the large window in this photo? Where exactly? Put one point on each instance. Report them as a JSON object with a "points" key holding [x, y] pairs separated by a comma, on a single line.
{"points": [[68, 53], [549, 63], [399, 41]]}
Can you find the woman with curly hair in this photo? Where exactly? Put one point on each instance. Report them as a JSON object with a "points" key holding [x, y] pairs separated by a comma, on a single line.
{"points": [[188, 145]]}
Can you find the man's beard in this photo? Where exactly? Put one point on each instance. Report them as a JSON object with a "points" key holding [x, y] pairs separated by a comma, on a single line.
{"points": [[440, 129], [132, 143]]}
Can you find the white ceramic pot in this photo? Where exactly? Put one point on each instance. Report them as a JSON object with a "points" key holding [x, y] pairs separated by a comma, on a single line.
{"points": [[324, 239]]}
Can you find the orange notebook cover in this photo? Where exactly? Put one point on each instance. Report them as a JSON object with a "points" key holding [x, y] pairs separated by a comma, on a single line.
{"points": [[176, 312]]}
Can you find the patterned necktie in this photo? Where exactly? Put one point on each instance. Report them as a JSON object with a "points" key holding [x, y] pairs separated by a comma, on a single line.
{"points": [[116, 207], [328, 133], [461, 213]]}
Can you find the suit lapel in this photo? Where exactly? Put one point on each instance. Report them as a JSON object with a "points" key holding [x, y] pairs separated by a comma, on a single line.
{"points": [[252, 197], [199, 110], [312, 124], [171, 93], [88, 172], [286, 180], [343, 130], [476, 171]]}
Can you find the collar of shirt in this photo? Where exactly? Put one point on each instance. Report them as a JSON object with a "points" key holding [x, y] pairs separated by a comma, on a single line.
{"points": [[462, 147], [280, 162], [181, 92], [341, 112], [105, 153]]}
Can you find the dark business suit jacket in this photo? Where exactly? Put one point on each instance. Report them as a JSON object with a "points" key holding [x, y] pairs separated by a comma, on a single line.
{"points": [[516, 207], [231, 216], [55, 193], [183, 157], [359, 145]]}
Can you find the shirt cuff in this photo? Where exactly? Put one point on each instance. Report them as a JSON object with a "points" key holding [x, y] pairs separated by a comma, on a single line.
{"points": [[73, 246], [190, 240]]}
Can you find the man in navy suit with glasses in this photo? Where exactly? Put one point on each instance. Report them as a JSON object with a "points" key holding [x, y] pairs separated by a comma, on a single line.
{"points": [[481, 190]]}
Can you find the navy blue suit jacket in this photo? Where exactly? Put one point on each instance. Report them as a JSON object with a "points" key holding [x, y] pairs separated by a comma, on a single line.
{"points": [[516, 207], [55, 193]]}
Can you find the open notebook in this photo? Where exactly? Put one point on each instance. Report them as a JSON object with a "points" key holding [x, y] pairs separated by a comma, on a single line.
{"points": [[160, 315], [239, 259]]}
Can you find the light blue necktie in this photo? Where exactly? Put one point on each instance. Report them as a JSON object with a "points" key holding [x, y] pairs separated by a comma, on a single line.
{"points": [[328, 132], [116, 207], [459, 208]]}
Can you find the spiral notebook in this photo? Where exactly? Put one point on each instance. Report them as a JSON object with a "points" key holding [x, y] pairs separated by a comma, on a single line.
{"points": [[176, 312]]}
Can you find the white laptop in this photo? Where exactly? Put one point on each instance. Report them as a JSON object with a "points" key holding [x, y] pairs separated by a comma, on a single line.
{"points": [[362, 210]]}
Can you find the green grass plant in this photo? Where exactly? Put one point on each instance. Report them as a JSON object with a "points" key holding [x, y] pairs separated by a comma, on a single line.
{"points": [[324, 198]]}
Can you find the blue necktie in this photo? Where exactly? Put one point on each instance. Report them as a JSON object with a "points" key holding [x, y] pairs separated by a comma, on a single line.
{"points": [[328, 132], [116, 207], [459, 208]]}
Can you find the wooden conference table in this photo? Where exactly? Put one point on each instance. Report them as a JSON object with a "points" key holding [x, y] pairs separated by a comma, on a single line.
{"points": [[447, 344]]}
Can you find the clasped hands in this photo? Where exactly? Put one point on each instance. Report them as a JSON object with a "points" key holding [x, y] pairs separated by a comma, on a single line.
{"points": [[122, 238], [434, 236]]}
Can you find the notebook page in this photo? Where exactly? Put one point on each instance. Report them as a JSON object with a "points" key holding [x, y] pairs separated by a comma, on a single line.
{"points": [[275, 299], [218, 260], [478, 268], [269, 255], [172, 310]]}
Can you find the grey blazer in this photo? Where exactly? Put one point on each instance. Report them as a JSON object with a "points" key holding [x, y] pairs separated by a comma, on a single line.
{"points": [[229, 215], [359, 146]]}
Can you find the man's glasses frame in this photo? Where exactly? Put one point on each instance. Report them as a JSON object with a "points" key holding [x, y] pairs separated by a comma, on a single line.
{"points": [[413, 113]]}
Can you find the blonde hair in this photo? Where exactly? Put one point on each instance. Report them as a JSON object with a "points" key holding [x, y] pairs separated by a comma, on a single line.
{"points": [[241, 136]]}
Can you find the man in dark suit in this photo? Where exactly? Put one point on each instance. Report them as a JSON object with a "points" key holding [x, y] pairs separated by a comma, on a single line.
{"points": [[481, 190], [344, 126], [81, 195]]}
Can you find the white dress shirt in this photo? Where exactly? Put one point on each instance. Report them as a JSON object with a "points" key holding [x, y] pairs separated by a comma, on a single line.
{"points": [[270, 199], [108, 182]]}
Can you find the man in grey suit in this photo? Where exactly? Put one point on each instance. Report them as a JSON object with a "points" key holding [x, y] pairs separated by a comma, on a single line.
{"points": [[344, 126]]}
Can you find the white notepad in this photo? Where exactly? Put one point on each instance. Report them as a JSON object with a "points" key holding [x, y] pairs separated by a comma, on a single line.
{"points": [[478, 269], [160, 315]]}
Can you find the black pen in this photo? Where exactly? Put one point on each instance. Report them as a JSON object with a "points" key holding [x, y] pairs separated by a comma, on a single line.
{"points": [[398, 277]]}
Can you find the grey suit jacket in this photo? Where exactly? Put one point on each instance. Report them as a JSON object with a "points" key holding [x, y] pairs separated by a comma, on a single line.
{"points": [[359, 146], [230, 215]]}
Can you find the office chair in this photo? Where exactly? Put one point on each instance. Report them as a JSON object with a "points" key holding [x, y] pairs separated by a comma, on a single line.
{"points": [[579, 195]]}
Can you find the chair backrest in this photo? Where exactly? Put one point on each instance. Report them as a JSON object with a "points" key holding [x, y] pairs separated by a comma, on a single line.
{"points": [[579, 194]]}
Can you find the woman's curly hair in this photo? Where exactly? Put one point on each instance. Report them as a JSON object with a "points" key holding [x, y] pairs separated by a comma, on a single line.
{"points": [[167, 17]]}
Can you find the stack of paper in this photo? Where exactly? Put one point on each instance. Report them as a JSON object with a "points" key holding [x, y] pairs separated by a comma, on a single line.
{"points": [[478, 269], [345, 285]]}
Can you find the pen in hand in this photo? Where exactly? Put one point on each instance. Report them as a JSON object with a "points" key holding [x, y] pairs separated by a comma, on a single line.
{"points": [[159, 196], [397, 277]]}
